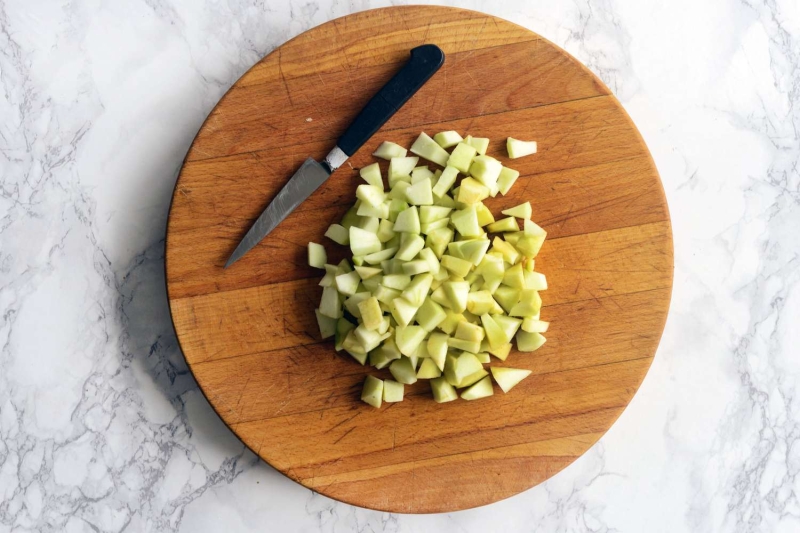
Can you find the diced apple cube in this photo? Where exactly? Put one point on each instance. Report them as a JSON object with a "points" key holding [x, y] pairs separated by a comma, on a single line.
{"points": [[481, 389], [388, 150], [420, 193], [447, 139], [506, 180], [316, 255], [457, 293], [443, 391], [472, 191], [520, 211], [377, 257], [327, 325], [517, 148], [506, 224], [486, 170], [417, 290], [426, 147], [407, 221], [401, 167], [461, 157], [409, 249], [508, 378], [392, 391], [371, 313], [533, 325], [372, 393], [330, 305], [338, 234], [428, 370], [408, 339]]}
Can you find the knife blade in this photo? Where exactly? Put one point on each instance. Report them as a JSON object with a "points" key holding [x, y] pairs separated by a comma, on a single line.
{"points": [[425, 60]]}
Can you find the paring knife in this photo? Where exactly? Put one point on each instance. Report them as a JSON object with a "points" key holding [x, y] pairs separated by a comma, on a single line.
{"points": [[424, 62]]}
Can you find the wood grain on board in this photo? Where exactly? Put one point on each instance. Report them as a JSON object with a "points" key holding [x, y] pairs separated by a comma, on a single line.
{"points": [[249, 333]]}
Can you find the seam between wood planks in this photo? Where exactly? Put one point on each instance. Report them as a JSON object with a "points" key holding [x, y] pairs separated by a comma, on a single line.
{"points": [[329, 408], [416, 125], [186, 298], [456, 454], [251, 220]]}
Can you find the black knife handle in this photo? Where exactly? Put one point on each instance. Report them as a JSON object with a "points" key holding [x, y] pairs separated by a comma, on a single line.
{"points": [[425, 61]]}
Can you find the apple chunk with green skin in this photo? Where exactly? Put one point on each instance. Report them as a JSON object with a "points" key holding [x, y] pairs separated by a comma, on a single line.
{"points": [[508, 378], [372, 393], [403, 371], [447, 139]]}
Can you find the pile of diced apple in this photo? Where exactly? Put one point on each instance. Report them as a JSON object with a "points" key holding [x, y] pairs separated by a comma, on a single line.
{"points": [[428, 293]]}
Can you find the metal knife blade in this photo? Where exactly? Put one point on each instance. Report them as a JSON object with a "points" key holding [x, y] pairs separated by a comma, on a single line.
{"points": [[305, 181]]}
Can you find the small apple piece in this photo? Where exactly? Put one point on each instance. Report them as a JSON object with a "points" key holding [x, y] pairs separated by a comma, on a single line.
{"points": [[447, 139], [465, 345], [431, 213], [437, 348], [408, 338], [388, 150], [420, 193], [383, 255], [417, 266], [422, 173], [481, 144], [316, 255], [371, 313], [365, 272], [494, 333], [369, 340], [438, 240], [510, 254], [508, 324], [506, 180], [485, 216], [471, 191], [407, 221], [402, 310], [481, 303], [529, 304], [483, 357], [461, 157], [338, 234], [370, 194], [459, 267], [428, 370], [372, 393], [486, 170], [469, 332], [372, 175], [400, 168], [327, 325], [535, 281], [330, 305], [457, 293], [403, 371], [508, 378], [352, 346], [430, 315], [514, 277], [530, 245], [446, 180], [481, 389], [426, 147], [384, 354], [417, 290], [466, 222], [442, 390], [363, 242], [520, 211], [410, 248], [347, 284], [392, 391], [517, 148], [533, 325], [343, 327], [529, 342], [501, 352], [430, 257], [506, 224]]}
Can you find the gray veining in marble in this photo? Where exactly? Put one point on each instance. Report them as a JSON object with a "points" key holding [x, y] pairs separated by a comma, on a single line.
{"points": [[103, 429]]}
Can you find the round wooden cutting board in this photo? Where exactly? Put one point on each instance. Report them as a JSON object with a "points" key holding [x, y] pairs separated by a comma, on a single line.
{"points": [[249, 333]]}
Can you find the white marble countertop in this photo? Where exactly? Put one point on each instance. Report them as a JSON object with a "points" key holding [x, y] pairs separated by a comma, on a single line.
{"points": [[103, 429]]}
